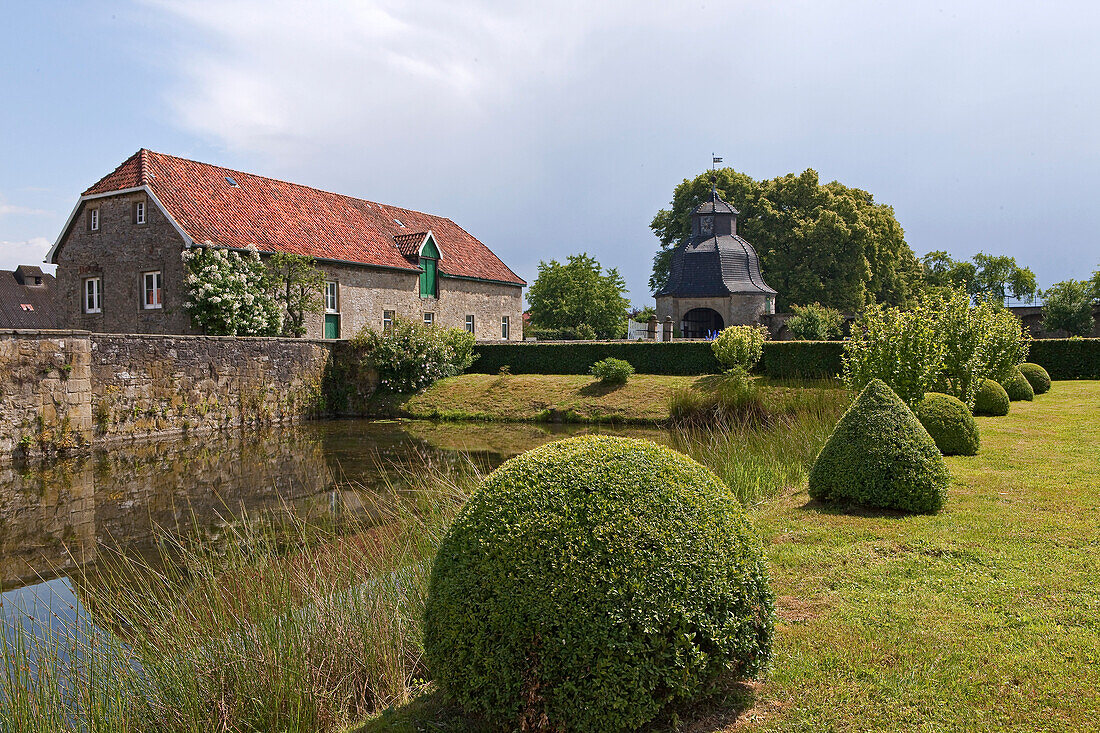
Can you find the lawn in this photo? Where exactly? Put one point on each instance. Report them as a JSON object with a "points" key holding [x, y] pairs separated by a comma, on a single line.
{"points": [[985, 616]]}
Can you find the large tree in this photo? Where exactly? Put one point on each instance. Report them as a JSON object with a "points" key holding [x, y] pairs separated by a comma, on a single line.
{"points": [[1068, 307], [986, 277], [579, 295], [818, 243]]}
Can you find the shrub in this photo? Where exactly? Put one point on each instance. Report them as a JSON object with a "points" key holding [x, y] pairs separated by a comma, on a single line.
{"points": [[1036, 376], [736, 400], [991, 400], [880, 456], [590, 582], [948, 420], [611, 370], [815, 322], [896, 346], [802, 359], [1073, 358], [409, 356], [1018, 388], [740, 347]]}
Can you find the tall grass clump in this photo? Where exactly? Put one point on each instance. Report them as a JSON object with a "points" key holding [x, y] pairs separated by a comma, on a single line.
{"points": [[290, 625]]}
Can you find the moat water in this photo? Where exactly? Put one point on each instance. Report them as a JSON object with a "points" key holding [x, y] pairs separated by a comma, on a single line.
{"points": [[59, 517]]}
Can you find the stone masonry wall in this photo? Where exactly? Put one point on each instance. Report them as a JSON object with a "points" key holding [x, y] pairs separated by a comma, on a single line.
{"points": [[63, 391]]}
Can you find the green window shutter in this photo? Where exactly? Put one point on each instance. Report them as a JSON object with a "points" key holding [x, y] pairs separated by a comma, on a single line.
{"points": [[428, 278]]}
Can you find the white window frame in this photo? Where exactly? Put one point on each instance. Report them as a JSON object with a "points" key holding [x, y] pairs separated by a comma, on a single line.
{"points": [[429, 318], [94, 304], [94, 223], [139, 212], [470, 325], [387, 320], [332, 296], [505, 328], [157, 280]]}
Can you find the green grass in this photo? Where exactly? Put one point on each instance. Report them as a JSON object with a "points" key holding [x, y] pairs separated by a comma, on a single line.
{"points": [[985, 616]]}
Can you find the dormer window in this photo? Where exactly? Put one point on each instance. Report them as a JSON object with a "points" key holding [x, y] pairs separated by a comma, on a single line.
{"points": [[139, 212], [93, 220], [429, 270]]}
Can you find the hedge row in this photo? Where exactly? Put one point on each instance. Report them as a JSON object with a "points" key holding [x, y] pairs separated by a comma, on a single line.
{"points": [[782, 359], [1067, 358]]}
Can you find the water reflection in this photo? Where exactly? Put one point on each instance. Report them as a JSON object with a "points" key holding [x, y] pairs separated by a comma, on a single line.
{"points": [[56, 517]]}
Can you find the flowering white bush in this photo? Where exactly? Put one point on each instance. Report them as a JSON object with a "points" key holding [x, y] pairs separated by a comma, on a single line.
{"points": [[230, 294]]}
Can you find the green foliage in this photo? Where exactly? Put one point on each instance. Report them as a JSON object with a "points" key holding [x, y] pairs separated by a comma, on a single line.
{"points": [[988, 277], [735, 401], [948, 420], [991, 399], [297, 284], [880, 456], [1067, 306], [816, 322], [1018, 388], [818, 243], [611, 370], [1036, 376], [1073, 358], [230, 294], [579, 294], [409, 356], [943, 344], [740, 347], [781, 359], [589, 583]]}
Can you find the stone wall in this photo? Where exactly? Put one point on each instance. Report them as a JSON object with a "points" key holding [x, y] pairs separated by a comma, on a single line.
{"points": [[64, 391]]}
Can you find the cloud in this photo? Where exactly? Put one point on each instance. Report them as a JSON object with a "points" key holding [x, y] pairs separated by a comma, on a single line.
{"points": [[10, 210], [28, 252]]}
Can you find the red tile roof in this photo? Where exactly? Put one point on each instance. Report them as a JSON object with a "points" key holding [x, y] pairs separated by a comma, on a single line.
{"points": [[409, 244], [277, 216]]}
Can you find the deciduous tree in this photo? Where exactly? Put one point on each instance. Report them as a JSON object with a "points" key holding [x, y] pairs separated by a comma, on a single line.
{"points": [[1067, 307], [580, 296]]}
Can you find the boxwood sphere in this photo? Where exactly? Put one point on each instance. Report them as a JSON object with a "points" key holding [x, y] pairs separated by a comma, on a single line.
{"points": [[948, 420], [1036, 376], [593, 581], [1018, 388], [991, 400]]}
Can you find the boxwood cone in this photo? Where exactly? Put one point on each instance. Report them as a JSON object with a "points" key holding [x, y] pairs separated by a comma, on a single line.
{"points": [[1036, 376], [991, 400], [880, 455], [1018, 388], [590, 582], [948, 420]]}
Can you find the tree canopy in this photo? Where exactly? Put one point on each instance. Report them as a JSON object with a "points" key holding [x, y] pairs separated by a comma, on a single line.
{"points": [[579, 296], [1068, 307], [818, 243], [993, 277]]}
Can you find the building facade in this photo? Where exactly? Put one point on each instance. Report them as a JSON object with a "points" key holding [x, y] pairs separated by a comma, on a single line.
{"points": [[714, 278], [27, 298], [120, 267]]}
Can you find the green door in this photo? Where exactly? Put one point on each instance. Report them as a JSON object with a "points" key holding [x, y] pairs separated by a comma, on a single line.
{"points": [[332, 325]]}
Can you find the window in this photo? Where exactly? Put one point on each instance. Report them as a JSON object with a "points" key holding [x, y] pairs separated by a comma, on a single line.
{"points": [[332, 297], [93, 220], [154, 297], [469, 324], [92, 288], [504, 327], [387, 320], [231, 182], [769, 305], [429, 319], [429, 264], [139, 212]]}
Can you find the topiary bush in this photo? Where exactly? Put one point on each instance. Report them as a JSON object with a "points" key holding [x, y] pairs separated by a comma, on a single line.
{"points": [[740, 347], [1036, 376], [590, 582], [611, 370], [1018, 388], [948, 420], [991, 400], [880, 455]]}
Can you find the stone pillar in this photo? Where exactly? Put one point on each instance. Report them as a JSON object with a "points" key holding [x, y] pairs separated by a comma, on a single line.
{"points": [[667, 335], [651, 329]]}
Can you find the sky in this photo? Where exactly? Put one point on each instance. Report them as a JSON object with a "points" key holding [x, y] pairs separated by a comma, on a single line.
{"points": [[551, 128]]}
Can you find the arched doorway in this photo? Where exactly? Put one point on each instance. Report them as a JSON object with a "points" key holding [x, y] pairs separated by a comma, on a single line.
{"points": [[701, 323]]}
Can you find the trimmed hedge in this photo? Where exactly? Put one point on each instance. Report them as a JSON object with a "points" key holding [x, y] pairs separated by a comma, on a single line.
{"points": [[991, 399], [1018, 388], [948, 420], [1068, 358], [781, 359], [880, 455], [589, 583], [1036, 376]]}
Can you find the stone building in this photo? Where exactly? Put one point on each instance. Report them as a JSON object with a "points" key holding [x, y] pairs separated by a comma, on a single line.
{"points": [[27, 298], [714, 280], [119, 265]]}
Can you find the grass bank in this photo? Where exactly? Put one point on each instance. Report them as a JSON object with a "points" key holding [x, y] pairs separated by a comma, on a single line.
{"points": [[983, 617], [643, 400]]}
